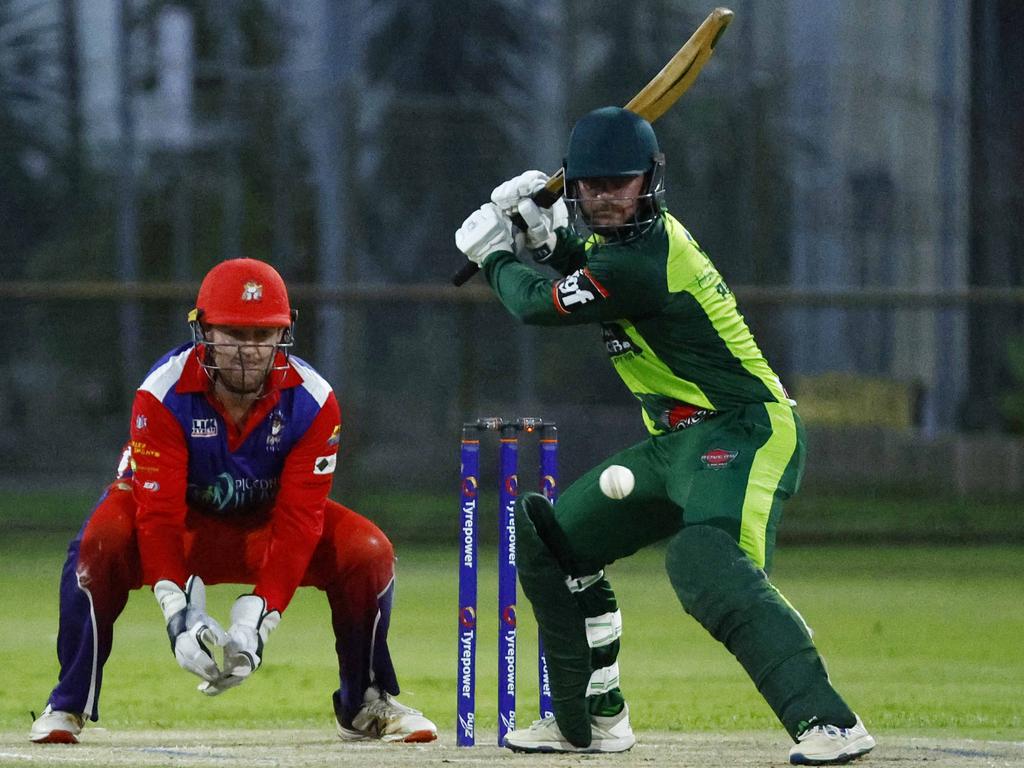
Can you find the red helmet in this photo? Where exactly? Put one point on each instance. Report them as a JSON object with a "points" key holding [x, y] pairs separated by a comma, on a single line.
{"points": [[243, 292]]}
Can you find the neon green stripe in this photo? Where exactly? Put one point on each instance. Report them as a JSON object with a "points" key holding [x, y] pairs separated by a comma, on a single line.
{"points": [[685, 260], [648, 373], [766, 472]]}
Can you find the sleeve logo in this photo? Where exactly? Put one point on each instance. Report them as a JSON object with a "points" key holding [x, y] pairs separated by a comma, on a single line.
{"points": [[576, 290], [324, 465]]}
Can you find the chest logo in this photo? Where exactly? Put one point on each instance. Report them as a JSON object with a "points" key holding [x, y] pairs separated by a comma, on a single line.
{"points": [[204, 427], [276, 431]]}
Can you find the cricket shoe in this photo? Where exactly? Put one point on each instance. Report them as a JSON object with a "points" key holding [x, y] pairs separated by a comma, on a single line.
{"points": [[386, 718], [56, 727], [830, 744], [608, 734]]}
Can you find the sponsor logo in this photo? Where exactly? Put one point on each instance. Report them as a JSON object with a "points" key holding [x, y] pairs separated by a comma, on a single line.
{"points": [[468, 522], [252, 291], [512, 484], [509, 658], [324, 465], [466, 642], [229, 492], [335, 437], [508, 615], [141, 421], [469, 487], [682, 416], [467, 617], [576, 290], [204, 427], [617, 342], [139, 448], [151, 485], [718, 458]]}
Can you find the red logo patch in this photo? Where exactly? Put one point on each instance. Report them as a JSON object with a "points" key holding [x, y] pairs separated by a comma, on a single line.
{"points": [[718, 458]]}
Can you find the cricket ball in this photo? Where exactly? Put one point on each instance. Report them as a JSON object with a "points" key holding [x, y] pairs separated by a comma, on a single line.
{"points": [[617, 482]]}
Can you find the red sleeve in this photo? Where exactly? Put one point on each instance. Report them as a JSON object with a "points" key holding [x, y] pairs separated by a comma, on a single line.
{"points": [[159, 478], [298, 515]]}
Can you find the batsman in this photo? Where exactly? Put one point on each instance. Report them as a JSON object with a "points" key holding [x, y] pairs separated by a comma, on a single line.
{"points": [[725, 448]]}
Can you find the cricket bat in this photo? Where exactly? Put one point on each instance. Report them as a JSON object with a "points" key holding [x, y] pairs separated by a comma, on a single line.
{"points": [[653, 100]]}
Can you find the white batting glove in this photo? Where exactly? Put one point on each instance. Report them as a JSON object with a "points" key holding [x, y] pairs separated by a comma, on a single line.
{"points": [[508, 194], [486, 231], [193, 634], [541, 224], [251, 624]]}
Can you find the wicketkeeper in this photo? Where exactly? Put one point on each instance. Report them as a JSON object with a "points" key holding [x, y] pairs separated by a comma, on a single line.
{"points": [[225, 479], [726, 447]]}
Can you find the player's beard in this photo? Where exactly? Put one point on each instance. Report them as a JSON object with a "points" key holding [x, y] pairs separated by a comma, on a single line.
{"points": [[244, 379], [609, 216]]}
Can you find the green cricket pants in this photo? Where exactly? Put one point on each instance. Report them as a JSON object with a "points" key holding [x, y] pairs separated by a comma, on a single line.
{"points": [[732, 471]]}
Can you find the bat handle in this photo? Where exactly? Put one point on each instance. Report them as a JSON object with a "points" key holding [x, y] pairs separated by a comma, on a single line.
{"points": [[469, 269]]}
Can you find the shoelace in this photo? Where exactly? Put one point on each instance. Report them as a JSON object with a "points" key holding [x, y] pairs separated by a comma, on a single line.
{"points": [[386, 706], [829, 730]]}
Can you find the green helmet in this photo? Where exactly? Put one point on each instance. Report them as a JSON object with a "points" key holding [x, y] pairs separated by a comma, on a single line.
{"points": [[611, 141], [614, 142]]}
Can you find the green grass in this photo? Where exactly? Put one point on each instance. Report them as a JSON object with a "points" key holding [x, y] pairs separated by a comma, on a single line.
{"points": [[921, 641], [811, 517]]}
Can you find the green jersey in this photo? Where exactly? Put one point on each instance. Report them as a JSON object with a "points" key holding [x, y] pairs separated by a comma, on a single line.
{"points": [[670, 323]]}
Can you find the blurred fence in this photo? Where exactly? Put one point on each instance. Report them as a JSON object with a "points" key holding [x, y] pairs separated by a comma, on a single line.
{"points": [[411, 363]]}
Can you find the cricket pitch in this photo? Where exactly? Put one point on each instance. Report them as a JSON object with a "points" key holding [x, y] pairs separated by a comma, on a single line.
{"points": [[287, 748]]}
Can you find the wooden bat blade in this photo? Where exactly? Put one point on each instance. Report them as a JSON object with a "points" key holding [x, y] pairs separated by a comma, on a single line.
{"points": [[681, 71]]}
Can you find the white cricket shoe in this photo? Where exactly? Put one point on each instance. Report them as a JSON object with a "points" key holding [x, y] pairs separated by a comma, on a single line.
{"points": [[830, 744], [608, 734], [56, 727], [386, 718]]}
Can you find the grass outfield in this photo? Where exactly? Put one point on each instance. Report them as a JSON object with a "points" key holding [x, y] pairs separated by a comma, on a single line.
{"points": [[923, 642]]}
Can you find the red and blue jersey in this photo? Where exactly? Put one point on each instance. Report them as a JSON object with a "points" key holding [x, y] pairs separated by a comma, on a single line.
{"points": [[187, 454]]}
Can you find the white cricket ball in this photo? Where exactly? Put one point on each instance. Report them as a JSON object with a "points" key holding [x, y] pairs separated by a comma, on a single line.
{"points": [[617, 482]]}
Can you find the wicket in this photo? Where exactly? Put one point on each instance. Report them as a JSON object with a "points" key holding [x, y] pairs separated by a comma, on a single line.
{"points": [[508, 461]]}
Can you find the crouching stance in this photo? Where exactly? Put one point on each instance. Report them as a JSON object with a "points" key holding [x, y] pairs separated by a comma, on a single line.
{"points": [[225, 480], [725, 450]]}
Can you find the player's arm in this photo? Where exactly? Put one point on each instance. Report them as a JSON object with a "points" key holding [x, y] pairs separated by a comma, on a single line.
{"points": [[159, 463], [159, 457], [298, 515], [594, 293]]}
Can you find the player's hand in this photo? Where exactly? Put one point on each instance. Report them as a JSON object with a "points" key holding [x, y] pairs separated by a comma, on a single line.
{"points": [[542, 224], [486, 231], [251, 624], [508, 194], [192, 632]]}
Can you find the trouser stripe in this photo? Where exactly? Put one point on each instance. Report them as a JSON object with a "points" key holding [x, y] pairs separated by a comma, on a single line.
{"points": [[373, 633], [91, 698], [766, 472]]}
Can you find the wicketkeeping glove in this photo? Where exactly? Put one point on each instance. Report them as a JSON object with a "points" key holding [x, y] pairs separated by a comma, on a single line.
{"points": [[486, 231], [193, 634], [251, 624]]}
